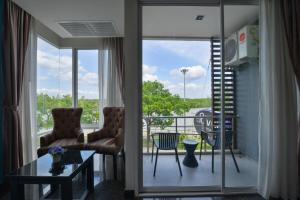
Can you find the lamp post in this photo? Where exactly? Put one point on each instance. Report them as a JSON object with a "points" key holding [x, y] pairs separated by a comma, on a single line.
{"points": [[184, 71]]}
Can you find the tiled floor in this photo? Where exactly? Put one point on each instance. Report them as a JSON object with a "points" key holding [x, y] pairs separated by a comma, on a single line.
{"points": [[112, 190], [167, 172]]}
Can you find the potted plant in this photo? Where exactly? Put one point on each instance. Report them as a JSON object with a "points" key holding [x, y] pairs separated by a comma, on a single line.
{"points": [[57, 153]]}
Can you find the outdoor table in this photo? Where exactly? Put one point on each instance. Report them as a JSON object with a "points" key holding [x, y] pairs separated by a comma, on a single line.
{"points": [[189, 159]]}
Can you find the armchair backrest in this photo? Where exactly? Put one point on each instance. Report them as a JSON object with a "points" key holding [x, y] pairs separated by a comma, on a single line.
{"points": [[114, 119], [66, 122]]}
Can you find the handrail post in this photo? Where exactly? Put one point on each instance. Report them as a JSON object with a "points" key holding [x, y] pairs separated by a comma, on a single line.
{"points": [[148, 136], [176, 128]]}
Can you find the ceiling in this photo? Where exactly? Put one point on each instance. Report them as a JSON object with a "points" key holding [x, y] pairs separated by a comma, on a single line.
{"points": [[158, 21], [176, 21], [51, 12]]}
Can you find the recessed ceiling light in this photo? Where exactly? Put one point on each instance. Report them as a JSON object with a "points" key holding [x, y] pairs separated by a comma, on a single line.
{"points": [[199, 17]]}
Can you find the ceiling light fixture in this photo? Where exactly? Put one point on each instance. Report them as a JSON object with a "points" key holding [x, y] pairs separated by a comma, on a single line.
{"points": [[199, 17]]}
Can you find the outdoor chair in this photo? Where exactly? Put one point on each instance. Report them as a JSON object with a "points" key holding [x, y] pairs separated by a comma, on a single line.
{"points": [[213, 138], [110, 139], [66, 132], [165, 141]]}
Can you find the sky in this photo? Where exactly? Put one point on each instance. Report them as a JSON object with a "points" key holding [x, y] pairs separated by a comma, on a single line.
{"points": [[162, 61]]}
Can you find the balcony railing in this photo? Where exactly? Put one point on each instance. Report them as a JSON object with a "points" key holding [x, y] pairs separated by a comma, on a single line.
{"points": [[186, 126]]}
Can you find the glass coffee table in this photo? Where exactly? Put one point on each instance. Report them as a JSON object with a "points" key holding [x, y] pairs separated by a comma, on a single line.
{"points": [[38, 172]]}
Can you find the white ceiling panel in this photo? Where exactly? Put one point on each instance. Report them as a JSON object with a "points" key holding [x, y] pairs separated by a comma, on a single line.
{"points": [[158, 21], [179, 21], [52, 12]]}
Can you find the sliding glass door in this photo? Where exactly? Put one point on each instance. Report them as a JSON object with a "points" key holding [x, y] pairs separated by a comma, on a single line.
{"points": [[200, 73], [241, 95], [177, 97]]}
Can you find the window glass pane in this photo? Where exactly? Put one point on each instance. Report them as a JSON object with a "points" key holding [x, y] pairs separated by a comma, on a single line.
{"points": [[88, 89], [54, 82]]}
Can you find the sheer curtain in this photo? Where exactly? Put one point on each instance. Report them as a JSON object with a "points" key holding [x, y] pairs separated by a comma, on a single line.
{"points": [[110, 73], [111, 79], [277, 166], [28, 99]]}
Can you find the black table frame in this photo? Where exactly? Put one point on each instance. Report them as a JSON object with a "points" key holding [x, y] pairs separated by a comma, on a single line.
{"points": [[17, 182]]}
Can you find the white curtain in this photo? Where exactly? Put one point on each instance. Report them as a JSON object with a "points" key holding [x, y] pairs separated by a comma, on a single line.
{"points": [[109, 87], [28, 101], [109, 90], [277, 166]]}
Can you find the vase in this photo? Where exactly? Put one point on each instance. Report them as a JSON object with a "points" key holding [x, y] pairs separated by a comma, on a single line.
{"points": [[56, 162], [56, 158]]}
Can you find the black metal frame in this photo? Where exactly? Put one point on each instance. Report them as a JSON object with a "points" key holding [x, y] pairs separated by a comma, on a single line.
{"points": [[18, 182], [228, 144], [166, 141]]}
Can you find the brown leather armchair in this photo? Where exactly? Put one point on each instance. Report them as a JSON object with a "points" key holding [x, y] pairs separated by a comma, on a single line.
{"points": [[66, 133], [110, 139]]}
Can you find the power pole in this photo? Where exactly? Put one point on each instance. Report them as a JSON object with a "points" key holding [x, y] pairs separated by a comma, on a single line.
{"points": [[184, 71]]}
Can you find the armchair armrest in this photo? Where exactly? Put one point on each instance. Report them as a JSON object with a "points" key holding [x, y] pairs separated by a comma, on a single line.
{"points": [[97, 135], [47, 139], [80, 135], [120, 137]]}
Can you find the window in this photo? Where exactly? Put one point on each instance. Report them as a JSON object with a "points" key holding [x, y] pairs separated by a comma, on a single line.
{"points": [[88, 88], [54, 82]]}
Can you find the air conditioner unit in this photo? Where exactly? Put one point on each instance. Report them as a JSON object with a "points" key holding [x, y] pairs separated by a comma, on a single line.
{"points": [[231, 50], [248, 42]]}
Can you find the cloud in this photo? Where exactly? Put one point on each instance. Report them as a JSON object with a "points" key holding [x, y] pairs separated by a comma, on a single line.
{"points": [[89, 78], [198, 51], [42, 78], [149, 73], [58, 66], [192, 90], [193, 73]]}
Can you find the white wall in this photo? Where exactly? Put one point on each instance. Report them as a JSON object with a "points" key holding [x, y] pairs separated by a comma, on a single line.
{"points": [[133, 91]]}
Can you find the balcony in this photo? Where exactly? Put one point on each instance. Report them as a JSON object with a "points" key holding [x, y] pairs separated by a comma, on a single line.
{"points": [[167, 172]]}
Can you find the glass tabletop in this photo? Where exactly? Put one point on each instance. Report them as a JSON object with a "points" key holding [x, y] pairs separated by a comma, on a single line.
{"points": [[72, 160]]}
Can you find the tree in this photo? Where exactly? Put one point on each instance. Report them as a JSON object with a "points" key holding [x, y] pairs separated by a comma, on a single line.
{"points": [[158, 101]]}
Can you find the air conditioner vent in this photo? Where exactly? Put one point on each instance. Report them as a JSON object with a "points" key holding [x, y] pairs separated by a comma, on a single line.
{"points": [[89, 28]]}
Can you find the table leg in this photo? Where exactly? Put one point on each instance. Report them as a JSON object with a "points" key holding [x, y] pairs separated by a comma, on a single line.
{"points": [[17, 191], [90, 175], [66, 190]]}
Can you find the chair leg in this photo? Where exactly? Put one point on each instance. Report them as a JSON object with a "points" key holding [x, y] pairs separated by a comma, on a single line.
{"points": [[152, 151], [115, 166], [235, 163], [176, 154], [103, 166], [201, 143], [213, 160], [123, 155], [155, 162]]}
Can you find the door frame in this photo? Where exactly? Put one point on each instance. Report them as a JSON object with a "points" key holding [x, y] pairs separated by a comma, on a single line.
{"points": [[185, 190]]}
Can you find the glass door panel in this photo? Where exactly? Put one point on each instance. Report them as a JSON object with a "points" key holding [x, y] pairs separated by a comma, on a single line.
{"points": [[241, 94], [178, 62]]}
